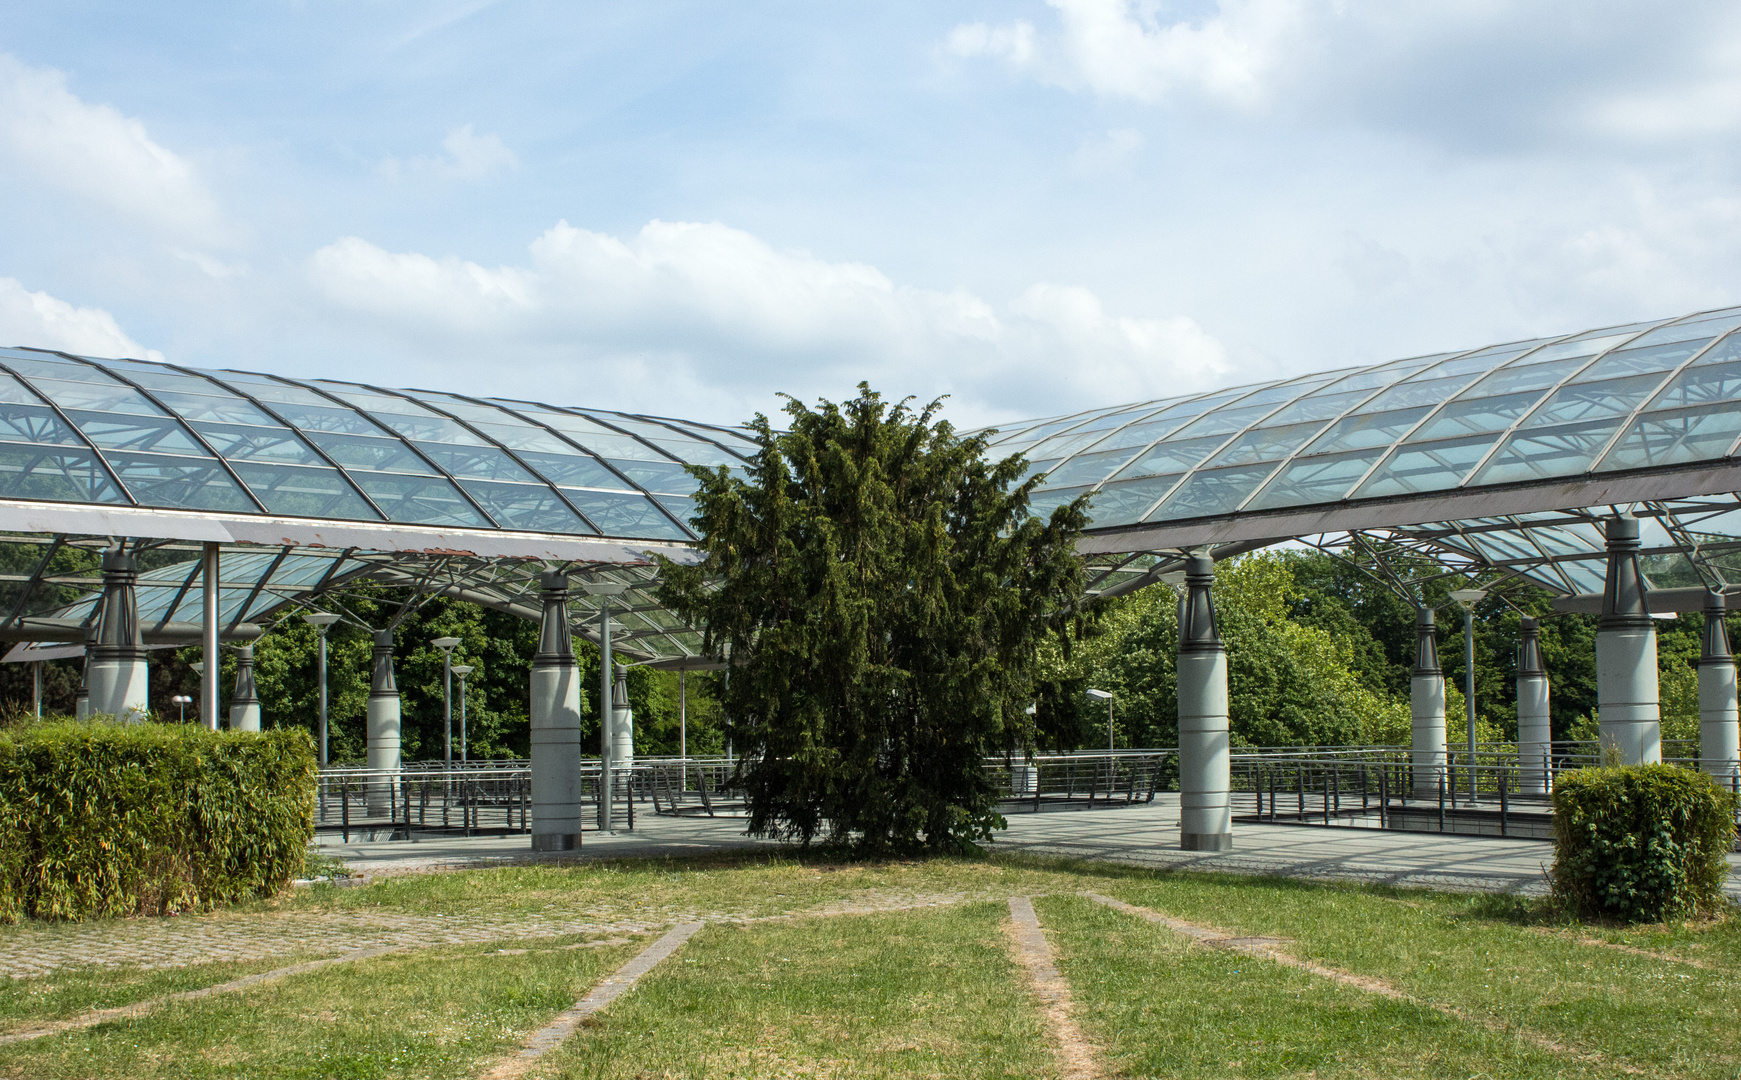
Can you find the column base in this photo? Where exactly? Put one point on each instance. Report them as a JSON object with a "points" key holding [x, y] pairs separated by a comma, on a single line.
{"points": [[555, 841], [1205, 841]]}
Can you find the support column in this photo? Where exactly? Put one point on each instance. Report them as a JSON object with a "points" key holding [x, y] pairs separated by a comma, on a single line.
{"points": [[622, 721], [245, 703], [555, 712], [1427, 708], [116, 674], [1534, 739], [82, 699], [1205, 767], [1719, 737], [383, 721], [208, 682], [1627, 708]]}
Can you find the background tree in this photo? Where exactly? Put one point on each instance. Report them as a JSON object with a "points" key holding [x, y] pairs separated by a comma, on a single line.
{"points": [[884, 590]]}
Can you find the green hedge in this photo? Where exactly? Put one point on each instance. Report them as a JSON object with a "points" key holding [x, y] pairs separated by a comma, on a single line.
{"points": [[1643, 843], [104, 819]]}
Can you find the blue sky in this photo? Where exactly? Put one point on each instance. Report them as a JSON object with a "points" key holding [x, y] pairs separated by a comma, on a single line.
{"points": [[688, 208]]}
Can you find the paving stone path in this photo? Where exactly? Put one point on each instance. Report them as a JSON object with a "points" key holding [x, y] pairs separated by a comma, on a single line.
{"points": [[34, 950]]}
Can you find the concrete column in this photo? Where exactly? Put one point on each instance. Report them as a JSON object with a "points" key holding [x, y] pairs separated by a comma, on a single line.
{"points": [[1534, 740], [1427, 708], [245, 703], [555, 713], [622, 721], [1205, 768], [116, 673], [383, 721], [1627, 706], [1719, 738]]}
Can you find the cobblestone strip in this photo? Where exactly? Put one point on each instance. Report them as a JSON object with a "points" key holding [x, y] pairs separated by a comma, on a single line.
{"points": [[552, 1035], [1269, 948], [140, 1008], [1076, 1057]]}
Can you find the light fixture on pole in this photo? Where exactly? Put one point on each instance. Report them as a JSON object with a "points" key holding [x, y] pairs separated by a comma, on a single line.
{"points": [[462, 670], [1106, 696], [184, 701], [605, 590], [446, 645], [322, 622], [1468, 598]]}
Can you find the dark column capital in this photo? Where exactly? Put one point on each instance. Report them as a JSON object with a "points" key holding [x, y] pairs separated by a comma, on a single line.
{"points": [[382, 684], [555, 642], [245, 692], [1529, 648], [1716, 642], [1426, 643], [1199, 625], [118, 630], [1623, 606]]}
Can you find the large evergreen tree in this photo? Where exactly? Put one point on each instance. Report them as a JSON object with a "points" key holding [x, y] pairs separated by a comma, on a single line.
{"points": [[883, 589]]}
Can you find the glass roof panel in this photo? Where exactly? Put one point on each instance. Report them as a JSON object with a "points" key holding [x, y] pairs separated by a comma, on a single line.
{"points": [[1591, 401], [237, 443], [1476, 416], [1363, 430], [1547, 453], [1326, 478], [1320, 407], [1702, 384], [223, 410], [1089, 468], [96, 396], [1422, 392], [304, 492], [1141, 434], [31, 364], [1212, 491], [1704, 433], [419, 500], [128, 431], [666, 477], [574, 470], [1225, 421], [1531, 376], [620, 514], [1266, 444], [182, 483], [55, 474], [35, 424], [1706, 327], [1426, 467], [1660, 359], [327, 417], [1125, 502], [681, 508], [1049, 499], [1060, 446], [1171, 457], [596, 439], [476, 462], [374, 454], [533, 507]]}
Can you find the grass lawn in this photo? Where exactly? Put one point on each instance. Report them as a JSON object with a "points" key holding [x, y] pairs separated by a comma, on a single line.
{"points": [[902, 969]]}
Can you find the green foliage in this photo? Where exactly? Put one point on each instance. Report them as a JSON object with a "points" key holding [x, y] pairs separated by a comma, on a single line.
{"points": [[1643, 843], [884, 590], [103, 819]]}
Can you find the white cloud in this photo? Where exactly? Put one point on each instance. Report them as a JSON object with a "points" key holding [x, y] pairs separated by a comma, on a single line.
{"points": [[470, 156], [1106, 151], [1014, 42], [41, 321], [704, 310], [99, 154]]}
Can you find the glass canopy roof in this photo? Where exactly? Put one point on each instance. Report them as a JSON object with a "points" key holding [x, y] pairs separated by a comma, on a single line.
{"points": [[132, 433], [1600, 403]]}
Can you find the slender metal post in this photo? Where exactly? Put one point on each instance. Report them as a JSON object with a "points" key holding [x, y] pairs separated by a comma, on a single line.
{"points": [[208, 688], [1469, 687], [605, 715], [683, 730], [321, 633], [447, 707], [36, 688], [462, 747]]}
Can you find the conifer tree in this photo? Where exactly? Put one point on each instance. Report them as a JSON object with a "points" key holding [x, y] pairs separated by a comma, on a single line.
{"points": [[883, 590]]}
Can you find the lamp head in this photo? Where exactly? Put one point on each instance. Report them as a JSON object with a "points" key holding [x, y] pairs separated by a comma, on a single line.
{"points": [[199, 667], [445, 643], [605, 588], [1100, 695], [462, 670], [320, 620], [1468, 596]]}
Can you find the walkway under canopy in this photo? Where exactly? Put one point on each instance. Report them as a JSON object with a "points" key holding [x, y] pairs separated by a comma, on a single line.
{"points": [[1498, 461]]}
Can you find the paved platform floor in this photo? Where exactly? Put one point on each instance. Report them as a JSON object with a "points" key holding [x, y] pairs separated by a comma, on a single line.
{"points": [[1140, 835]]}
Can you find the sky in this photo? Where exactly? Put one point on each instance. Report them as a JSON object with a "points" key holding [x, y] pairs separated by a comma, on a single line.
{"points": [[688, 209]]}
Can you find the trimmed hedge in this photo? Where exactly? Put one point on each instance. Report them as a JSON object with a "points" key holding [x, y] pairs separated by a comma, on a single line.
{"points": [[1642, 843], [100, 819]]}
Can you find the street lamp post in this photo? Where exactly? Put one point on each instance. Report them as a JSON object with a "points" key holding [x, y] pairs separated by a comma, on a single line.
{"points": [[446, 644], [1106, 696], [1467, 599], [605, 591], [462, 670], [182, 700], [322, 622]]}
